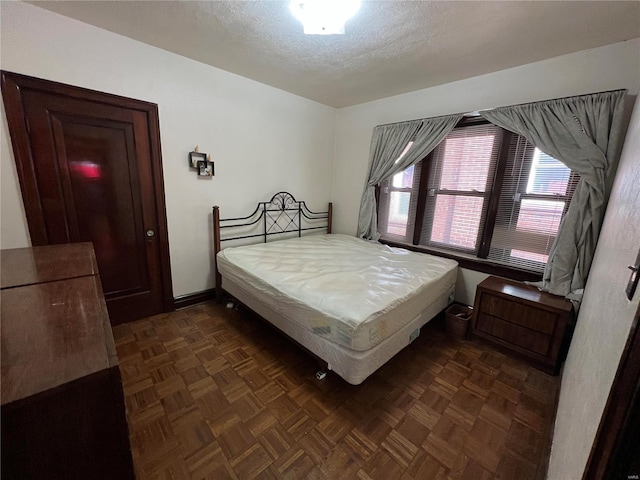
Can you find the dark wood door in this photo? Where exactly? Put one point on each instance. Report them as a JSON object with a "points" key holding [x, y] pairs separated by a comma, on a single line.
{"points": [[90, 172]]}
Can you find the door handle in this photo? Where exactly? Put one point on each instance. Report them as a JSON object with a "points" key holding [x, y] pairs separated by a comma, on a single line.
{"points": [[150, 234], [633, 279]]}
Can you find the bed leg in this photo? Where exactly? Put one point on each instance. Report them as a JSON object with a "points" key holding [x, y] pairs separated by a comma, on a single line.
{"points": [[323, 368], [216, 249]]}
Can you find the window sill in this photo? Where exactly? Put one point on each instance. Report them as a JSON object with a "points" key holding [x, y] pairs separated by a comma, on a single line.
{"points": [[471, 263]]}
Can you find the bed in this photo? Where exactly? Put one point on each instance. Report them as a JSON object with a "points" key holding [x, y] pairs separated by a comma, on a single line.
{"points": [[354, 304]]}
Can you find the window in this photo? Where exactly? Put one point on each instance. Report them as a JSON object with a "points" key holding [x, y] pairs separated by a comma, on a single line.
{"points": [[484, 192], [460, 174], [398, 195], [535, 195]]}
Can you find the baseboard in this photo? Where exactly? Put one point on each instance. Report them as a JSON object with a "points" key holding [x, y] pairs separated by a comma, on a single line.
{"points": [[184, 301]]}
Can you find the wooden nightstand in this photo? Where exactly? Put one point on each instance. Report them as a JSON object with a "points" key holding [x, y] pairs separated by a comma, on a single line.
{"points": [[524, 320]]}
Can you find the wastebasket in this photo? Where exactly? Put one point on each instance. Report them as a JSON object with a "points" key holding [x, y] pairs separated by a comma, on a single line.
{"points": [[457, 318]]}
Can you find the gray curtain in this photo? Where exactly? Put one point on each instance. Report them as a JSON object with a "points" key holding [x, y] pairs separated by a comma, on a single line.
{"points": [[584, 133], [387, 144]]}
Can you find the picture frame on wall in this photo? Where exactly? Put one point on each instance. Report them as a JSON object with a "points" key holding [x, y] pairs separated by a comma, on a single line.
{"points": [[195, 158]]}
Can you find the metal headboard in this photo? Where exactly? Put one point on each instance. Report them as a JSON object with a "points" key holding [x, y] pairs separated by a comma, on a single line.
{"points": [[282, 214]]}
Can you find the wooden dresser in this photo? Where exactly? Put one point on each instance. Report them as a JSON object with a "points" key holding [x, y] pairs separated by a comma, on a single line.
{"points": [[524, 320], [63, 413]]}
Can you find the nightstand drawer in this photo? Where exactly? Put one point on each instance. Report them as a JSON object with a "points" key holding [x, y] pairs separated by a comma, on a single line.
{"points": [[534, 319], [525, 338]]}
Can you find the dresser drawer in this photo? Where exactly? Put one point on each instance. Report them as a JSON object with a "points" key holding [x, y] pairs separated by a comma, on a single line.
{"points": [[525, 338], [523, 315]]}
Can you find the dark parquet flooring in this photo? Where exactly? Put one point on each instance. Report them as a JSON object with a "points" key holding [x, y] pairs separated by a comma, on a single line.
{"points": [[216, 393]]}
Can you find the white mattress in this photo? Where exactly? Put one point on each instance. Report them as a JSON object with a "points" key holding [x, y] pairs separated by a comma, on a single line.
{"points": [[348, 291]]}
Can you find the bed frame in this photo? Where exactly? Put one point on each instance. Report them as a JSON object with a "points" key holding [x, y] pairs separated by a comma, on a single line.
{"points": [[283, 214], [280, 215]]}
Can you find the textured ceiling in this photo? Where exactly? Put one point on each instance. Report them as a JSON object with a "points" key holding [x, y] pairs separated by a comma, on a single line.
{"points": [[390, 47]]}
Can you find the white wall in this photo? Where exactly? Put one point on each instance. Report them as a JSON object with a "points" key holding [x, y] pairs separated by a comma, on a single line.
{"points": [[605, 68], [466, 285], [604, 321], [13, 222], [262, 139]]}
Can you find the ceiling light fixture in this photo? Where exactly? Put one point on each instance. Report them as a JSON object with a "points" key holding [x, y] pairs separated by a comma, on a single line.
{"points": [[324, 17]]}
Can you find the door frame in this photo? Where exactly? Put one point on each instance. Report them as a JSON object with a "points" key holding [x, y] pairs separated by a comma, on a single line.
{"points": [[12, 86], [610, 446]]}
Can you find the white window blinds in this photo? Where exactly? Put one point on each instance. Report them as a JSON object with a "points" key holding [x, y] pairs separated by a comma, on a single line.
{"points": [[460, 177], [535, 195]]}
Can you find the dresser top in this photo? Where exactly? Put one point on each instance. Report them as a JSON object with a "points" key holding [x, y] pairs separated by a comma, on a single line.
{"points": [[525, 292], [55, 331], [28, 266]]}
